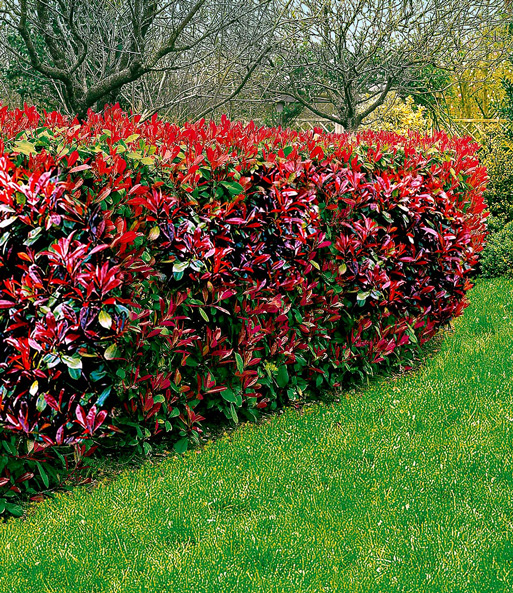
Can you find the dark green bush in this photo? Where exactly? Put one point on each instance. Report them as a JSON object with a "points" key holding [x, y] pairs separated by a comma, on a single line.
{"points": [[497, 256], [497, 157]]}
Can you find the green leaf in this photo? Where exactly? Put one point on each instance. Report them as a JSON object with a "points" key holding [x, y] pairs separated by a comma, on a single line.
{"points": [[43, 474], [159, 399], [229, 396], [240, 362], [32, 236], [362, 296], [111, 352], [14, 509], [25, 147], [41, 403], [4, 237], [154, 233], [72, 362], [74, 373], [203, 313], [180, 266], [103, 396], [181, 445], [233, 187], [411, 334], [97, 374], [205, 173], [282, 378], [105, 319], [233, 413]]}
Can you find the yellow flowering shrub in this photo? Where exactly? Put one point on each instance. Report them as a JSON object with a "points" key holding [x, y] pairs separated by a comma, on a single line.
{"points": [[497, 156], [398, 115]]}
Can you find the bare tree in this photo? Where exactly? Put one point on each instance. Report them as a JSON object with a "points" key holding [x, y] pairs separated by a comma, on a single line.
{"points": [[216, 82], [345, 56], [93, 49]]}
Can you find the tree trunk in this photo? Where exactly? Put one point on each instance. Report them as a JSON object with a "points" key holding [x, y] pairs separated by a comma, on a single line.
{"points": [[351, 123]]}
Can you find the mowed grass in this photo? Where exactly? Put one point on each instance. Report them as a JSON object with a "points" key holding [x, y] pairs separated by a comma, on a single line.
{"points": [[406, 486]]}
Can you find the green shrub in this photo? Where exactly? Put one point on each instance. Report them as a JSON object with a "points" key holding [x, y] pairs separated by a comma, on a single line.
{"points": [[497, 157], [497, 256]]}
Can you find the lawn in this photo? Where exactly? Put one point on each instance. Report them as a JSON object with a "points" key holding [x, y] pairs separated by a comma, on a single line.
{"points": [[404, 486]]}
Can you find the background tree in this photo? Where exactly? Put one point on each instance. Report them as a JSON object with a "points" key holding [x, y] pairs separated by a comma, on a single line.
{"points": [[21, 83], [343, 58], [223, 81], [91, 50]]}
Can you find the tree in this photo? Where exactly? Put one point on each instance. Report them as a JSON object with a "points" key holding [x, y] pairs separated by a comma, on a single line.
{"points": [[92, 49], [344, 57], [20, 83], [221, 82]]}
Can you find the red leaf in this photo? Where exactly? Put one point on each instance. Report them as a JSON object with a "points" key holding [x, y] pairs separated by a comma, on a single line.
{"points": [[50, 400], [80, 168], [125, 238], [24, 477], [72, 158], [81, 418], [6, 304]]}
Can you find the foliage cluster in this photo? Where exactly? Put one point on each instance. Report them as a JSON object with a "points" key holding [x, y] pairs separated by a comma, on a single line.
{"points": [[496, 155], [154, 276], [497, 256], [398, 115]]}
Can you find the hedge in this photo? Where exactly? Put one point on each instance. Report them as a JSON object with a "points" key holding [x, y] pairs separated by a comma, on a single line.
{"points": [[154, 276]]}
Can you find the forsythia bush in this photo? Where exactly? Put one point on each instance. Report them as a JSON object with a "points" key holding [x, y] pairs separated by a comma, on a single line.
{"points": [[153, 276], [398, 115]]}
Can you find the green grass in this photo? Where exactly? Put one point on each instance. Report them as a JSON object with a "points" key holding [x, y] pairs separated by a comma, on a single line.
{"points": [[406, 486]]}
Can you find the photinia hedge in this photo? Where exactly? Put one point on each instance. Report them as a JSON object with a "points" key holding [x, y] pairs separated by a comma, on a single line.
{"points": [[152, 276]]}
